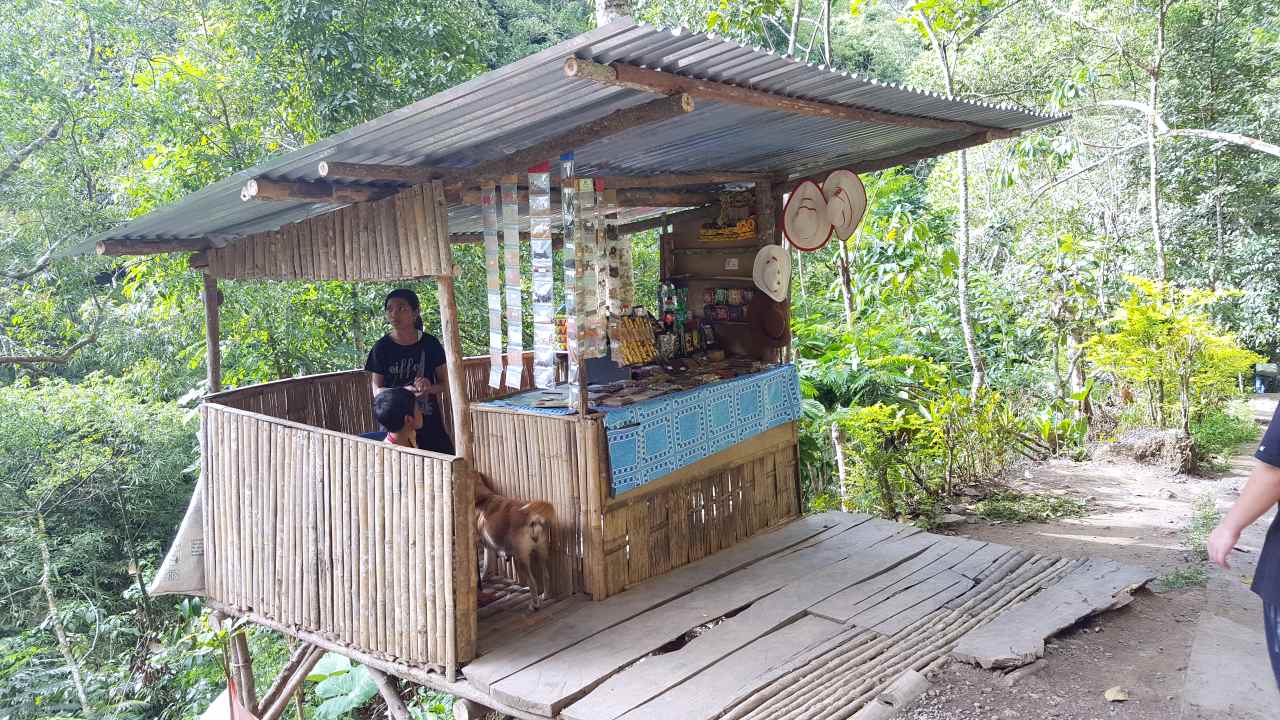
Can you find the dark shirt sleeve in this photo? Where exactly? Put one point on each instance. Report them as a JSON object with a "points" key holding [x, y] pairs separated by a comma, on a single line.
{"points": [[377, 360], [435, 356], [1269, 448]]}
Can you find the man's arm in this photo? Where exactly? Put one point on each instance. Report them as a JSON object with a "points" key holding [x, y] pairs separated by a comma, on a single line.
{"points": [[1261, 493]]}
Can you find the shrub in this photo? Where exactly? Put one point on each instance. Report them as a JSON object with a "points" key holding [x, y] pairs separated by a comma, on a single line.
{"points": [[1217, 432]]}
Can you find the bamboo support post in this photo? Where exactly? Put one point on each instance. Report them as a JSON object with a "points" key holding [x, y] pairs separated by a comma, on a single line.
{"points": [[213, 354], [389, 687], [291, 684], [303, 659]]}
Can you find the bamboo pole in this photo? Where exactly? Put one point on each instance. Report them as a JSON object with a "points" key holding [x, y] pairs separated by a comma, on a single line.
{"points": [[213, 351], [291, 684], [455, 374], [388, 686]]}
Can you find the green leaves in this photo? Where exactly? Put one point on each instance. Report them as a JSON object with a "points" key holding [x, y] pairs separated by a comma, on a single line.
{"points": [[341, 686]]}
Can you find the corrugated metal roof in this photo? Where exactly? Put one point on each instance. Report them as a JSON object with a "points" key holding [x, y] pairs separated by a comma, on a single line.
{"points": [[512, 107]]}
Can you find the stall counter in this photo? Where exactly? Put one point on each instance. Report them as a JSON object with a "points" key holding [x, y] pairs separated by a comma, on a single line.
{"points": [[653, 437]]}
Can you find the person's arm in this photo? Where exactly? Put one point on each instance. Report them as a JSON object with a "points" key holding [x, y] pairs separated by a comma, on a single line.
{"points": [[1261, 493]]}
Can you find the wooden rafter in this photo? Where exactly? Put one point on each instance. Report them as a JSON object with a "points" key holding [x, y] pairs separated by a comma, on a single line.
{"points": [[627, 198], [152, 247], [637, 78], [261, 188]]}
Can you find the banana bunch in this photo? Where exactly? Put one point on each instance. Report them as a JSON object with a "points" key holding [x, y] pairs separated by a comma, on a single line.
{"points": [[636, 334], [744, 229]]}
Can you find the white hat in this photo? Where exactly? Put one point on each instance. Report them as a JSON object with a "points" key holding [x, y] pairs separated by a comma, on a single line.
{"points": [[804, 219], [772, 272], [846, 201]]}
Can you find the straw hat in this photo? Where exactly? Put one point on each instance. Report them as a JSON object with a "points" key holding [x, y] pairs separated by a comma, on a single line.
{"points": [[768, 320], [804, 219], [846, 201], [772, 272]]}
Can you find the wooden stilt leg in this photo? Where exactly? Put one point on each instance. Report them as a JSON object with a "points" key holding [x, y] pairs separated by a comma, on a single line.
{"points": [[389, 686], [464, 709], [286, 685], [242, 670], [301, 656]]}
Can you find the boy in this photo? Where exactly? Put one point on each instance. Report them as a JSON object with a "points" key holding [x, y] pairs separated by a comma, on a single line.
{"points": [[397, 410], [1260, 494]]}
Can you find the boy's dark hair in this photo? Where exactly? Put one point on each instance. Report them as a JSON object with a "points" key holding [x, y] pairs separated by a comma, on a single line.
{"points": [[392, 406], [408, 296]]}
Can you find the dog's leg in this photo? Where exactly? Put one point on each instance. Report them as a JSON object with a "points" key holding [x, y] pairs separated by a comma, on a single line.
{"points": [[542, 572], [525, 573]]}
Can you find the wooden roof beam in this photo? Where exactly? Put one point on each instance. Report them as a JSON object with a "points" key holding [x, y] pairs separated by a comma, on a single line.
{"points": [[261, 188], [376, 172], [626, 198], [634, 77], [152, 247]]}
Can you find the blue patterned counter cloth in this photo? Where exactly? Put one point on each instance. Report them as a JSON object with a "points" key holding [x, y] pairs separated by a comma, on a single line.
{"points": [[656, 437]]}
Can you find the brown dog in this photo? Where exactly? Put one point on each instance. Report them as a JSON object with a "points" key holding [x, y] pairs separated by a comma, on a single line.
{"points": [[519, 530]]}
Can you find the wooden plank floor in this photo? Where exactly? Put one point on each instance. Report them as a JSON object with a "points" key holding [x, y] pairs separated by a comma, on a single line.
{"points": [[808, 622]]}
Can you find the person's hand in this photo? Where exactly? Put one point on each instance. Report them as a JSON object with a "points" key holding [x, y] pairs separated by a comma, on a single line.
{"points": [[421, 385], [1221, 542]]}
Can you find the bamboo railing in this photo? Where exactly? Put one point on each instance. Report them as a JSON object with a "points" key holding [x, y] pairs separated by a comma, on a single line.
{"points": [[309, 527]]}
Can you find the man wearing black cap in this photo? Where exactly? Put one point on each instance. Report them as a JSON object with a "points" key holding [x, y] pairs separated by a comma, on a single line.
{"points": [[1261, 493]]}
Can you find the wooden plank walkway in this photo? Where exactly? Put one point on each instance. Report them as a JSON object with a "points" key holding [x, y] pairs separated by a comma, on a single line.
{"points": [[809, 622]]}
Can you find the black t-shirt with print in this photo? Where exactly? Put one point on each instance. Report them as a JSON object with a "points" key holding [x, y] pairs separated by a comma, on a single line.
{"points": [[399, 366], [1266, 581]]}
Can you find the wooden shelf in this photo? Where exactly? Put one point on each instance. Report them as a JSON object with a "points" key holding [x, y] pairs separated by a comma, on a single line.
{"points": [[727, 249], [710, 278]]}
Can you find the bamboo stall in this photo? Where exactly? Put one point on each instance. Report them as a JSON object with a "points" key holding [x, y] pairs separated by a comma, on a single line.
{"points": [[665, 480]]}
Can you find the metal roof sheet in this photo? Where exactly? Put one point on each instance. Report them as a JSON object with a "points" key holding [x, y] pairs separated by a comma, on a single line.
{"points": [[514, 106]]}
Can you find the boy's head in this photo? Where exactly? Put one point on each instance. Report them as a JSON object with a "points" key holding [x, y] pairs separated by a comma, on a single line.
{"points": [[396, 409]]}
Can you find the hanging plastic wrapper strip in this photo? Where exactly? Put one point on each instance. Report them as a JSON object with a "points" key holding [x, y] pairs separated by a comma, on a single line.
{"points": [[626, 278], [601, 262], [569, 206], [612, 274], [511, 261], [544, 329], [493, 282], [590, 322]]}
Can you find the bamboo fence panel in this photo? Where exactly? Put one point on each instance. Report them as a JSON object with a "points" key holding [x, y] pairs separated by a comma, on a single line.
{"points": [[689, 520], [327, 533], [535, 457], [399, 237]]}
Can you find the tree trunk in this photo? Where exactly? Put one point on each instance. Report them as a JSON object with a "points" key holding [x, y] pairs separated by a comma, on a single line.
{"points": [[846, 282], [826, 32], [1153, 154], [962, 281], [962, 240], [795, 28], [837, 444], [64, 645]]}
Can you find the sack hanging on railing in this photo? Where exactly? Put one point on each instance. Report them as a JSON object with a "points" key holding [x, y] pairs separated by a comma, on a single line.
{"points": [[511, 261], [569, 209], [182, 572], [544, 329], [493, 281]]}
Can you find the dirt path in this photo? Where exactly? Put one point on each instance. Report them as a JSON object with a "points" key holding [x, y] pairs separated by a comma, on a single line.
{"points": [[1180, 654]]}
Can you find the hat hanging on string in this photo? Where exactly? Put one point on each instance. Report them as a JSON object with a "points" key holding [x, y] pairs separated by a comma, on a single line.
{"points": [[804, 219], [768, 321], [846, 201], [772, 271]]}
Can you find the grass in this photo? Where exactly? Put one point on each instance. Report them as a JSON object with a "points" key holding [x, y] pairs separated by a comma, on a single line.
{"points": [[1204, 517], [1187, 576], [1014, 506]]}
